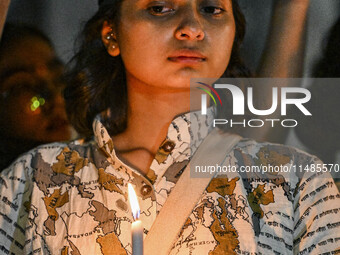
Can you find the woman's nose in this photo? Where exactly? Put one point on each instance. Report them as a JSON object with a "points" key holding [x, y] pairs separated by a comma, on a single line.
{"points": [[190, 27]]}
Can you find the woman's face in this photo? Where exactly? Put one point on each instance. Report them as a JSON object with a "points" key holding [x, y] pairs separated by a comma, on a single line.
{"points": [[165, 43]]}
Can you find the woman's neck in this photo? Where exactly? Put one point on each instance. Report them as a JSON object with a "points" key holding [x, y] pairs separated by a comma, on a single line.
{"points": [[150, 112]]}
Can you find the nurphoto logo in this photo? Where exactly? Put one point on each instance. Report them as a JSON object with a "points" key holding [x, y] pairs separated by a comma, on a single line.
{"points": [[281, 98]]}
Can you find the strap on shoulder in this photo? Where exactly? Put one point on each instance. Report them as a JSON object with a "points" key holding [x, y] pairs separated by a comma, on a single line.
{"points": [[185, 195]]}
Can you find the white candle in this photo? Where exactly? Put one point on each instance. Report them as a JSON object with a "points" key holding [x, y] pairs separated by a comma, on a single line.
{"points": [[137, 226], [137, 237]]}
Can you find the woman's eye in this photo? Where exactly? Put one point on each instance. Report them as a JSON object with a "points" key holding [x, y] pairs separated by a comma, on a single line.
{"points": [[159, 10], [213, 10]]}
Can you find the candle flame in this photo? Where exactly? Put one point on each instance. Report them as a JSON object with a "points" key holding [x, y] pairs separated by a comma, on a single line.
{"points": [[133, 202]]}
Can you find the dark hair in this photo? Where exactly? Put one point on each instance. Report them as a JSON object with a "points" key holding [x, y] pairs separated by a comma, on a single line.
{"points": [[96, 81], [17, 32]]}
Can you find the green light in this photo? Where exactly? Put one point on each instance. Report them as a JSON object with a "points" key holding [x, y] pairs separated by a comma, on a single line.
{"points": [[41, 101], [36, 104]]}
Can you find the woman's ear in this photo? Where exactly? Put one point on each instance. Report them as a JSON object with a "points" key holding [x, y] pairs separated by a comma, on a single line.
{"points": [[109, 39]]}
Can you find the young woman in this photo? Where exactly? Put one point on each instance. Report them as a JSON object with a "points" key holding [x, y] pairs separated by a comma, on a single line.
{"points": [[130, 81]]}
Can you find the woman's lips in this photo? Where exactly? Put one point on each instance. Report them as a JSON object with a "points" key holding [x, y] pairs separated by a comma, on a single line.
{"points": [[187, 56], [183, 59]]}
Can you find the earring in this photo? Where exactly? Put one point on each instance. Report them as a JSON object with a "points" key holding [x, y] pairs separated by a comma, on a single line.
{"points": [[110, 43], [110, 36]]}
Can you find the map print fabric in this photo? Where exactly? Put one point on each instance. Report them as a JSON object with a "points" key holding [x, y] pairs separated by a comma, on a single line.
{"points": [[72, 199]]}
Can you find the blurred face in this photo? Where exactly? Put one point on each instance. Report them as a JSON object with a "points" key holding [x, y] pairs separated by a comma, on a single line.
{"points": [[32, 105], [165, 43]]}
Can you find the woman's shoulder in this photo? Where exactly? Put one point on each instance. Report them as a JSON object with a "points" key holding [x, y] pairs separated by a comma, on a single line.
{"points": [[278, 162]]}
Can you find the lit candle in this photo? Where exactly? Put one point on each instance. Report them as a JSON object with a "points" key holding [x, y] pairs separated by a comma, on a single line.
{"points": [[136, 227]]}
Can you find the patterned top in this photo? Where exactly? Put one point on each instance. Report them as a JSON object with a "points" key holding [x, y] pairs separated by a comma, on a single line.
{"points": [[72, 199]]}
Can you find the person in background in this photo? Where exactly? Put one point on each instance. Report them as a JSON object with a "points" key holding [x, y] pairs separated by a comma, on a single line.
{"points": [[32, 110]]}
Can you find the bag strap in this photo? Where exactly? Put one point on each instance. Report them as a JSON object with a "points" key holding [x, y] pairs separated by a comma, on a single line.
{"points": [[186, 193]]}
